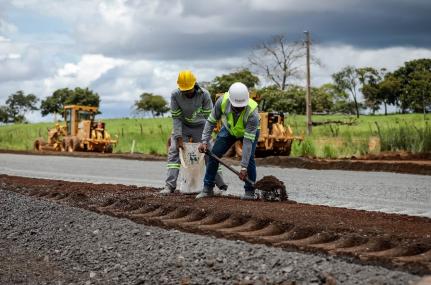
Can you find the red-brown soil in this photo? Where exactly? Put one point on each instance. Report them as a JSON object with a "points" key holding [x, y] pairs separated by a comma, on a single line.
{"points": [[391, 240]]}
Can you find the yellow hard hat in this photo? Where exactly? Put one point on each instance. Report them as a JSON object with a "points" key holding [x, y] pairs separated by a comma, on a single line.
{"points": [[186, 80]]}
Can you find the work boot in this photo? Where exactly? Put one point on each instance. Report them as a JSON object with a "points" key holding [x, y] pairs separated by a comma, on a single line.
{"points": [[249, 195], [206, 192], [223, 187], [167, 190]]}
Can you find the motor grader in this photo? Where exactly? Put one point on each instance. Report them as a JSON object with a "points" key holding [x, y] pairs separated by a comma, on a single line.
{"points": [[80, 133], [275, 137]]}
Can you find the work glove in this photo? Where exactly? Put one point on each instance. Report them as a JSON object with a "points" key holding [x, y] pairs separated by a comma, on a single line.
{"points": [[243, 173], [203, 147], [180, 143]]}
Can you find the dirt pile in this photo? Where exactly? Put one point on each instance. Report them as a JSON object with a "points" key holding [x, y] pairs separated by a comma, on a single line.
{"points": [[271, 188], [269, 183]]}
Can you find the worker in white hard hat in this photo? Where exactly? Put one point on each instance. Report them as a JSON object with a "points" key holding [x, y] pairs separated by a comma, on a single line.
{"points": [[190, 107], [240, 120]]}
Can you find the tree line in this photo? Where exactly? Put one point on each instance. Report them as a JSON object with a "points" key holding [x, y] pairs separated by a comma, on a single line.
{"points": [[18, 104], [279, 62]]}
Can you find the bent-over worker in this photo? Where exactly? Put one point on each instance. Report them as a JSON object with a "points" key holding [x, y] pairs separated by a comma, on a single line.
{"points": [[240, 120]]}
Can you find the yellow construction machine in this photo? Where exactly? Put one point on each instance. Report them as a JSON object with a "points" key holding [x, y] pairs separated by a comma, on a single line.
{"points": [[80, 133], [275, 137]]}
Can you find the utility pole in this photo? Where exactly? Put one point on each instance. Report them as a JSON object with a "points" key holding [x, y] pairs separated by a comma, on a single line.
{"points": [[308, 94]]}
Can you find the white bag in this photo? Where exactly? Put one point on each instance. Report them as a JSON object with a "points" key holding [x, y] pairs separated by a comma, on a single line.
{"points": [[192, 168]]}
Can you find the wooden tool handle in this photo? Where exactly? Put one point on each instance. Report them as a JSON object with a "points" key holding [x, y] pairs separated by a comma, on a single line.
{"points": [[208, 152]]}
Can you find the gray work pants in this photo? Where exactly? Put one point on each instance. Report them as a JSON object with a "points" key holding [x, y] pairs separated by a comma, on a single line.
{"points": [[174, 163]]}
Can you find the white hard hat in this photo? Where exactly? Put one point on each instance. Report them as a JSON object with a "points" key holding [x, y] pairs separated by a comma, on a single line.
{"points": [[238, 94]]}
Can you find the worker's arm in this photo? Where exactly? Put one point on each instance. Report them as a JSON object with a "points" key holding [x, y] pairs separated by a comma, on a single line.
{"points": [[212, 121], [176, 116], [249, 137]]}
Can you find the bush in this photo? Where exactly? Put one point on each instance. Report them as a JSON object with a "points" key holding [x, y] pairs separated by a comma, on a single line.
{"points": [[404, 136], [305, 148], [329, 151]]}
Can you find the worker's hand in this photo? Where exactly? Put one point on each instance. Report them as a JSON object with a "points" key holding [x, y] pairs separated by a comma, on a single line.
{"points": [[180, 143], [203, 147], [243, 173]]}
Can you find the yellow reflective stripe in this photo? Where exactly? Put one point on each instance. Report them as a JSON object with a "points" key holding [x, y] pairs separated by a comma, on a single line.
{"points": [[176, 113], [173, 166], [249, 136], [211, 119]]}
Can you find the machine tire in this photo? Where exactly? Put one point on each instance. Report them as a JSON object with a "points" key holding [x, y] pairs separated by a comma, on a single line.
{"points": [[108, 148], [38, 144], [288, 148], [73, 144], [64, 145]]}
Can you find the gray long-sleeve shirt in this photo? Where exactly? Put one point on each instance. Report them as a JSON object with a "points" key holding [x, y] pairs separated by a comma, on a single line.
{"points": [[189, 111], [251, 127]]}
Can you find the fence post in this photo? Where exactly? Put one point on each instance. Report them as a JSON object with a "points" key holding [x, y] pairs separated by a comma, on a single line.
{"points": [[133, 147]]}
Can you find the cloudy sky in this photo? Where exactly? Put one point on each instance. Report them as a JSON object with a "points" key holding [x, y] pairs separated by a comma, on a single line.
{"points": [[121, 48]]}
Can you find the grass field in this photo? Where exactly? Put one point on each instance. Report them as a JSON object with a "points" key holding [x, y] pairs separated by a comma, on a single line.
{"points": [[410, 132]]}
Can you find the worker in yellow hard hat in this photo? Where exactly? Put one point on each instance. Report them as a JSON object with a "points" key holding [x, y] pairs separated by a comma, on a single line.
{"points": [[190, 108]]}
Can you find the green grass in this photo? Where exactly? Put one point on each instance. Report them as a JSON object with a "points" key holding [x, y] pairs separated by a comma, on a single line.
{"points": [[150, 135], [408, 132], [398, 132], [22, 136]]}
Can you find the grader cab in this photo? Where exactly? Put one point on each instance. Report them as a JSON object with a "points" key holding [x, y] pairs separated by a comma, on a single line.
{"points": [[80, 133]]}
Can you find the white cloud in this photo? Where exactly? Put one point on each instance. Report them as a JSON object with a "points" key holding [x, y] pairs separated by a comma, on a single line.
{"points": [[87, 70], [334, 58], [7, 28], [19, 62]]}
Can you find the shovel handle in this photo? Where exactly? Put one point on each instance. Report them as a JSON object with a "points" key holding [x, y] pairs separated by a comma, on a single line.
{"points": [[209, 152]]}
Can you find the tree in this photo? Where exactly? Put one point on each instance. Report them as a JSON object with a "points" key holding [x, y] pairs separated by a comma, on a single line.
{"points": [[291, 100], [278, 60], [54, 104], [322, 101], [221, 83], [348, 79], [79, 96], [420, 86], [414, 90], [18, 104], [4, 116], [370, 78], [389, 90], [84, 97], [149, 102]]}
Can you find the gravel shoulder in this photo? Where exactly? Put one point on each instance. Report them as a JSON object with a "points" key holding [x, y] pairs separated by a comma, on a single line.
{"points": [[47, 243]]}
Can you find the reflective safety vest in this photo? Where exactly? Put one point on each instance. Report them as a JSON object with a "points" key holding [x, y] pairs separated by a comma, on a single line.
{"points": [[238, 130]]}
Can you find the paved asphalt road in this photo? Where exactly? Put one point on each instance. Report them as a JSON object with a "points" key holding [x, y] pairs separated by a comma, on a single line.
{"points": [[371, 191]]}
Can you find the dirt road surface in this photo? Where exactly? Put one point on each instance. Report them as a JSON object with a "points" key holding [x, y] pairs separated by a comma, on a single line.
{"points": [[371, 191]]}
